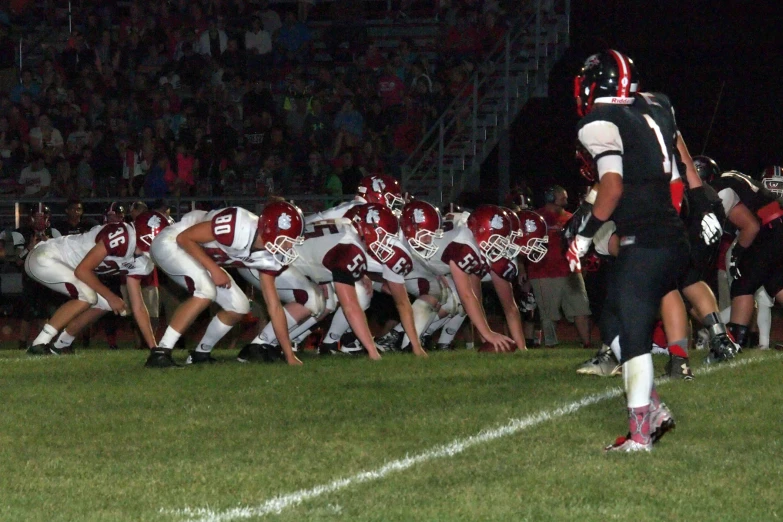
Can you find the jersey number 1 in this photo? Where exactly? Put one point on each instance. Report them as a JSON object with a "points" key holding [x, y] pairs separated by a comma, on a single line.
{"points": [[667, 162]]}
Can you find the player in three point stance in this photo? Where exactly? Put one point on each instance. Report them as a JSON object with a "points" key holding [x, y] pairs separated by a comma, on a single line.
{"points": [[332, 270], [193, 253], [71, 265]]}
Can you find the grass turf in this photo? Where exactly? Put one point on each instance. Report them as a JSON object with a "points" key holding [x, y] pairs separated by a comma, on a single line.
{"points": [[98, 437]]}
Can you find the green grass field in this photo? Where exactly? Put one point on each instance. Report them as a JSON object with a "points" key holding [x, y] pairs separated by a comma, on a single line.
{"points": [[487, 437]]}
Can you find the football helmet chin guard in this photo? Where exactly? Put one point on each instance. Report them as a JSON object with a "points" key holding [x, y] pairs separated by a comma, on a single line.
{"points": [[421, 224], [376, 223], [533, 240], [491, 227], [606, 77], [706, 168], [772, 179], [382, 189], [148, 225], [280, 227]]}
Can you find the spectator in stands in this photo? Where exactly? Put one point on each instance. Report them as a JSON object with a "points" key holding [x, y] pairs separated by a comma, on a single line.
{"points": [[75, 222], [155, 185], [11, 150], [554, 285], [85, 177], [214, 41], [391, 89], [279, 149], [233, 59], [258, 46], [350, 175], [333, 187], [8, 50], [369, 160], [26, 85], [35, 177], [318, 128], [63, 184], [182, 181], [46, 140], [294, 40], [349, 125], [269, 18]]}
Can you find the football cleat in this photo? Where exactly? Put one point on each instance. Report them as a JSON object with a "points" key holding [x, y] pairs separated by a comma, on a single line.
{"points": [[328, 349], [353, 348], [702, 340], [44, 349], [255, 353], [161, 358], [604, 364], [200, 358], [661, 421], [679, 368], [627, 445], [445, 347], [722, 349], [390, 341]]}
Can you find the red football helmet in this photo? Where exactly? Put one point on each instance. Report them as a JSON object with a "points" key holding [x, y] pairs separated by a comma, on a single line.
{"points": [[148, 225], [382, 189], [772, 179], [115, 213], [491, 226], [421, 223], [514, 248], [376, 223], [532, 239], [40, 215], [280, 227]]}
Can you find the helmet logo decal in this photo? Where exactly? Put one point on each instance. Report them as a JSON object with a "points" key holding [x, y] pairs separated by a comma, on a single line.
{"points": [[153, 221], [497, 222], [418, 216], [378, 185], [592, 61], [530, 226], [373, 216], [284, 221]]}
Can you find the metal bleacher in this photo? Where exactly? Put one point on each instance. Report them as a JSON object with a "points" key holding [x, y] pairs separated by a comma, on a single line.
{"points": [[448, 159]]}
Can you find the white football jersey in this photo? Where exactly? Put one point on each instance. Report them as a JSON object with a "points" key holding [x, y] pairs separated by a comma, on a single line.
{"points": [[235, 232], [331, 252], [120, 242], [335, 212], [397, 268], [456, 245]]}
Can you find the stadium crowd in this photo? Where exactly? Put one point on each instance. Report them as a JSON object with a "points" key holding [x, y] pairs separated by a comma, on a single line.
{"points": [[166, 99]]}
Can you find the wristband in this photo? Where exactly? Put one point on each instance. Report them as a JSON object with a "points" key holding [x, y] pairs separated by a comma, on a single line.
{"points": [[590, 227]]}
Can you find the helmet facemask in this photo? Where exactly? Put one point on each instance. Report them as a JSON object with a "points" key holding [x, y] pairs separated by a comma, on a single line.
{"points": [[774, 185], [284, 249], [536, 248], [514, 246], [395, 203], [494, 248], [383, 246], [423, 242]]}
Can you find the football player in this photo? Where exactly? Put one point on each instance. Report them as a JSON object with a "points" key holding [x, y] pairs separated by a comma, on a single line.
{"points": [[377, 188], [470, 243], [634, 192], [754, 260], [71, 265], [34, 302], [329, 270], [193, 253]]}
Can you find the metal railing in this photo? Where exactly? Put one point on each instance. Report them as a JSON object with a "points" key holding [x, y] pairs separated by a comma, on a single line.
{"points": [[460, 125]]}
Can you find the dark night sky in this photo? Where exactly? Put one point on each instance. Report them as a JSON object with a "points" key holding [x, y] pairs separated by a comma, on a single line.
{"points": [[686, 49]]}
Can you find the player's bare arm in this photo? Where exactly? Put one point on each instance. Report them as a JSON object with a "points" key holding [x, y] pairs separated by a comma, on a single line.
{"points": [[191, 240], [277, 317]]}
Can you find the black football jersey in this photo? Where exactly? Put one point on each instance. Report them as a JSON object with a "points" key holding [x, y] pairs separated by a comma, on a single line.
{"points": [[734, 187], [638, 142]]}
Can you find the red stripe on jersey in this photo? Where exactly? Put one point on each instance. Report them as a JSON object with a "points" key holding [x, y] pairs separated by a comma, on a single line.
{"points": [[624, 81]]}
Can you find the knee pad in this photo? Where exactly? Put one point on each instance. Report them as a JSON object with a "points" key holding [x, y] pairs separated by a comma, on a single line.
{"points": [[364, 293], [315, 300], [330, 303]]}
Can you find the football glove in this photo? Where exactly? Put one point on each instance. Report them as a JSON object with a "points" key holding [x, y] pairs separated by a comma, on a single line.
{"points": [[710, 228], [578, 248]]}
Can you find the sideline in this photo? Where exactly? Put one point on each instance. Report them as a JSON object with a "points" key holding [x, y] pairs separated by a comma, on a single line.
{"points": [[279, 503]]}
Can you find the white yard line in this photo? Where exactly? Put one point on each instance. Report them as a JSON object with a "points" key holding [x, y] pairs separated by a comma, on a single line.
{"points": [[282, 502]]}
